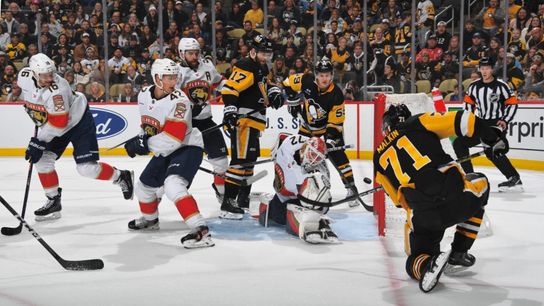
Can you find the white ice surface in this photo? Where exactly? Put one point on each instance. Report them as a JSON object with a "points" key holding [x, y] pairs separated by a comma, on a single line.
{"points": [[249, 265]]}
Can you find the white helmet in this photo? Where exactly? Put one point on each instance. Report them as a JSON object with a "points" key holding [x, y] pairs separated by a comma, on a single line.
{"points": [[163, 66], [186, 44], [41, 63]]}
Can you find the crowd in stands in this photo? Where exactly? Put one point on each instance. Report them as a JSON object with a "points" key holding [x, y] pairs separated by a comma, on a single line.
{"points": [[72, 34]]}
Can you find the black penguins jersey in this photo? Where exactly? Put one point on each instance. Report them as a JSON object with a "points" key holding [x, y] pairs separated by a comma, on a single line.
{"points": [[414, 150], [322, 111], [246, 88]]}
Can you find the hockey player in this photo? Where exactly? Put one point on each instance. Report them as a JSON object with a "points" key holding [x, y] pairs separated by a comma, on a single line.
{"points": [[320, 105], [198, 78], [177, 146], [246, 90], [63, 117], [300, 168], [420, 177]]}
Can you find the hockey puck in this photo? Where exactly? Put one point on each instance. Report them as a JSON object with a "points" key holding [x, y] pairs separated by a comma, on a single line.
{"points": [[367, 180]]}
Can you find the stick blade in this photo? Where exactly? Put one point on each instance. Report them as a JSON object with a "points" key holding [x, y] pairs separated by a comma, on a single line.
{"points": [[255, 178], [12, 231], [83, 265]]}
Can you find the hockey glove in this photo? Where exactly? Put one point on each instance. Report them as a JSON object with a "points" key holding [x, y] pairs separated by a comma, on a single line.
{"points": [[496, 147], [275, 97], [35, 149], [137, 146], [230, 117]]}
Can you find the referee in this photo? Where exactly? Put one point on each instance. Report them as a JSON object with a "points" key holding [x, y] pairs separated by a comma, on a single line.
{"points": [[492, 100]]}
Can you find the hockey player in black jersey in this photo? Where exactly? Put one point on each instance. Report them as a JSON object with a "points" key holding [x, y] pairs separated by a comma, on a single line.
{"points": [[320, 105], [420, 177], [247, 89]]}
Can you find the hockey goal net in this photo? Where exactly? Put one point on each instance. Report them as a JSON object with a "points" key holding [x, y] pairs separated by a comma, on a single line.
{"points": [[392, 220]]}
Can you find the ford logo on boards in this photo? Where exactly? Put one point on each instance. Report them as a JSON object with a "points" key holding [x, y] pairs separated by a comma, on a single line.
{"points": [[108, 123]]}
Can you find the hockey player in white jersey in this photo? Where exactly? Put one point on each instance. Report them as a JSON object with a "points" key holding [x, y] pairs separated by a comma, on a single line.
{"points": [[178, 148], [198, 78], [300, 168], [63, 117]]}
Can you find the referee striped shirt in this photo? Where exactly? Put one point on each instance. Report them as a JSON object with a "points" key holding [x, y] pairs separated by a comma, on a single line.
{"points": [[493, 100]]}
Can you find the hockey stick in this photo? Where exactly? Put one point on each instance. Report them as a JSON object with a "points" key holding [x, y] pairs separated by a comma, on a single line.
{"points": [[11, 231], [74, 265], [245, 182], [213, 128], [376, 189], [268, 160]]}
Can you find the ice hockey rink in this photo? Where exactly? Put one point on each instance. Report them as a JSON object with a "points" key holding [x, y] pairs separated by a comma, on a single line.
{"points": [[250, 265]]}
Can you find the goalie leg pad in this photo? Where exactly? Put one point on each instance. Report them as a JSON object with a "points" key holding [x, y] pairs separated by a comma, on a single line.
{"points": [[301, 220], [273, 212]]}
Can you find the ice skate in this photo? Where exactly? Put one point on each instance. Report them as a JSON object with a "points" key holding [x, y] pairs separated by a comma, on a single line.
{"points": [[324, 235], [143, 224], [459, 262], [198, 237], [51, 209], [125, 181], [513, 184], [430, 278], [231, 211]]}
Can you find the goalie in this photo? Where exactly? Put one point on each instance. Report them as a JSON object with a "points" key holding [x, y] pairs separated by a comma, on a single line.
{"points": [[300, 167]]}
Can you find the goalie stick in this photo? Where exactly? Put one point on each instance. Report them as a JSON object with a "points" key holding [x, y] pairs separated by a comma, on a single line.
{"points": [[379, 188], [74, 265], [12, 231], [247, 182]]}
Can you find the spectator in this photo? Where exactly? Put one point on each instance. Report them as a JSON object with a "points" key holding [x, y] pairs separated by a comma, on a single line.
{"points": [[10, 24], [516, 46], [152, 19], [442, 36], [128, 94], [55, 27], [219, 14], [469, 32], [425, 19], [90, 62], [96, 94], [532, 85], [327, 12], [14, 94], [255, 14], [290, 12], [126, 34], [454, 48], [16, 50], [449, 67], [26, 37], [290, 56], [526, 32], [513, 9], [80, 77], [521, 21], [147, 37], [61, 41], [493, 52], [339, 57], [475, 52], [171, 32], [405, 67], [425, 68], [236, 17], [490, 17], [354, 65], [201, 14], [275, 32], [250, 32], [535, 41], [514, 75], [391, 12], [117, 65], [134, 48], [307, 16], [432, 49], [5, 39], [81, 89], [390, 77], [9, 74], [352, 91], [134, 78], [32, 50], [114, 44], [300, 65], [63, 60], [279, 70], [308, 56], [403, 34], [81, 49], [70, 77]]}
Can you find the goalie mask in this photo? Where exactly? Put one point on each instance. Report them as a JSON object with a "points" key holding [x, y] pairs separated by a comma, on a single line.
{"points": [[395, 114], [312, 153]]}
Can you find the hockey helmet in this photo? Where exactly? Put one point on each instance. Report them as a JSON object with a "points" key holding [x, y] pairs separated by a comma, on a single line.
{"points": [[161, 67], [41, 64], [187, 44], [395, 114], [312, 153], [324, 65], [261, 43], [486, 61]]}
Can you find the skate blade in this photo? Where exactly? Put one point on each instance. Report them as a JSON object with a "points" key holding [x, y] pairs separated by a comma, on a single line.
{"points": [[132, 194], [151, 228], [430, 279], [52, 216], [515, 189], [230, 216], [205, 242], [451, 270], [316, 239]]}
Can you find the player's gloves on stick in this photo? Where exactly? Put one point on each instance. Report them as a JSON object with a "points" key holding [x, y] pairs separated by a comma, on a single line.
{"points": [[275, 97], [137, 146], [331, 144], [294, 110], [497, 146], [230, 117], [35, 149]]}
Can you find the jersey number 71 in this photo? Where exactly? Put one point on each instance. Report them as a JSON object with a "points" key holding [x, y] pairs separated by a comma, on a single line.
{"points": [[390, 157]]}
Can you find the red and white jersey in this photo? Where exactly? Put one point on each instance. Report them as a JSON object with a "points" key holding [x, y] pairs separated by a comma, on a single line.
{"points": [[199, 85], [167, 121], [289, 175], [55, 109]]}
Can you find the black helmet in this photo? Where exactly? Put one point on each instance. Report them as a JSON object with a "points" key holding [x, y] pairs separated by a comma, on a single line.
{"points": [[323, 65], [261, 43], [394, 115], [486, 61]]}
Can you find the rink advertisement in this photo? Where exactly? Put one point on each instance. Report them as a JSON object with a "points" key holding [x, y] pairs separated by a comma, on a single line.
{"points": [[116, 122]]}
